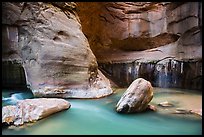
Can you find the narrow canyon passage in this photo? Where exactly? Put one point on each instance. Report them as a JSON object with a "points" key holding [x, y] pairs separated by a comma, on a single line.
{"points": [[88, 54]]}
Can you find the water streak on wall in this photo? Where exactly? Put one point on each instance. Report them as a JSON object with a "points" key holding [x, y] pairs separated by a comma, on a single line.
{"points": [[169, 74], [13, 75]]}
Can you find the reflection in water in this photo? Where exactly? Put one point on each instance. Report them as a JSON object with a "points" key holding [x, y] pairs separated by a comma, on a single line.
{"points": [[98, 116]]}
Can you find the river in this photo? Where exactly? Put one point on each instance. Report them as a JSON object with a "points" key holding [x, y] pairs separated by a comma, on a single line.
{"points": [[98, 116]]}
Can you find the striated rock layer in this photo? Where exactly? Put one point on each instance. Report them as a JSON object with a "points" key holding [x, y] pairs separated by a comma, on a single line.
{"points": [[46, 38], [125, 25], [136, 26], [124, 35]]}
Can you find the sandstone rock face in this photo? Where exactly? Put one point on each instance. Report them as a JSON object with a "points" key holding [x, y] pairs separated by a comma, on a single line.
{"points": [[30, 110], [54, 52], [136, 97], [185, 19], [125, 25], [125, 36], [137, 26]]}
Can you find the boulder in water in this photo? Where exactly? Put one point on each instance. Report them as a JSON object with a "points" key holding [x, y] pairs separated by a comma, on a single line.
{"points": [[136, 97], [30, 110]]}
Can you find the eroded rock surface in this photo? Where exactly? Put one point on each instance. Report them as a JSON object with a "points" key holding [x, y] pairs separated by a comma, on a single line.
{"points": [[46, 38], [136, 97], [136, 26], [30, 110], [159, 41]]}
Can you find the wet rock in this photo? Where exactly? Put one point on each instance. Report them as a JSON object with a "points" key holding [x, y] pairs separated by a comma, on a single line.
{"points": [[152, 107], [164, 72], [182, 111], [13, 75], [165, 104], [30, 110], [136, 97], [197, 112]]}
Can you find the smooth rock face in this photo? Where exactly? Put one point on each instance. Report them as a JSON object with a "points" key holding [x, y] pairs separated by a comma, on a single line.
{"points": [[54, 52], [136, 97], [97, 88], [137, 26], [30, 110]]}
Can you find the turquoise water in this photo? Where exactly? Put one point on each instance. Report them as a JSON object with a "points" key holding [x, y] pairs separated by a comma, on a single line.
{"points": [[98, 117]]}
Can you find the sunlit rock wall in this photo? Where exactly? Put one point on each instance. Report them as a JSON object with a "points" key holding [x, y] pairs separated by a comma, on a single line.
{"points": [[46, 38], [151, 34], [125, 25]]}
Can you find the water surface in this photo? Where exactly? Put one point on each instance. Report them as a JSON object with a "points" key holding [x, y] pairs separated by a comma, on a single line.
{"points": [[98, 116]]}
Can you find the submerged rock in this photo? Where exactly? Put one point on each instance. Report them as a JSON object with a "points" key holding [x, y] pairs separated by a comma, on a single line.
{"points": [[136, 97], [182, 111], [197, 112], [165, 104], [152, 107], [30, 110]]}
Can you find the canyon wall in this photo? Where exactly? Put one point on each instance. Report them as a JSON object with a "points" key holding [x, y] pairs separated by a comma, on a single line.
{"points": [[44, 46], [159, 41], [47, 41]]}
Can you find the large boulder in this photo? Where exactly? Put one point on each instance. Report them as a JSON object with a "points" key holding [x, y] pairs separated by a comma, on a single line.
{"points": [[136, 97], [55, 54], [30, 110]]}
